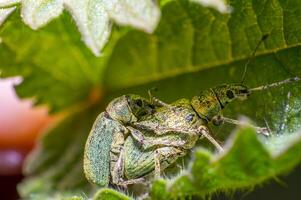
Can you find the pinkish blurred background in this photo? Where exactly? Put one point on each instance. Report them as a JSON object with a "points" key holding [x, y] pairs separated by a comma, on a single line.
{"points": [[20, 124]]}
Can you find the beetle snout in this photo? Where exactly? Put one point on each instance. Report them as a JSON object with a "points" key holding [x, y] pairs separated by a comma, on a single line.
{"points": [[243, 94]]}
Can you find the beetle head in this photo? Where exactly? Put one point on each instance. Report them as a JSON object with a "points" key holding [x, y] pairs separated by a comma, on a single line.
{"points": [[229, 92], [119, 109], [129, 108]]}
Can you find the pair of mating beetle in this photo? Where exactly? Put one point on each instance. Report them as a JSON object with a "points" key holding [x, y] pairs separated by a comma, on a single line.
{"points": [[135, 137]]}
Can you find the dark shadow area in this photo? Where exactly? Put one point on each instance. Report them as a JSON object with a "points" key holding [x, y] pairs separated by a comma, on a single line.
{"points": [[8, 185]]}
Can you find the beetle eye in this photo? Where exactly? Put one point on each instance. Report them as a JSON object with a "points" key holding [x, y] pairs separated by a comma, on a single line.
{"points": [[139, 102], [151, 106], [230, 94]]}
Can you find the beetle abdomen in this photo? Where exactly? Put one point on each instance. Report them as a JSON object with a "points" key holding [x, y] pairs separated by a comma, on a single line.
{"points": [[139, 162], [97, 150]]}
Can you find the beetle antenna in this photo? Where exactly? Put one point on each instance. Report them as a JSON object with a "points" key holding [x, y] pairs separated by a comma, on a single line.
{"points": [[263, 38], [276, 84]]}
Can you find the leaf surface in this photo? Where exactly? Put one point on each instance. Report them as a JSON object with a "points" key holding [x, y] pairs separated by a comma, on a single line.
{"points": [[93, 18], [245, 163], [192, 49]]}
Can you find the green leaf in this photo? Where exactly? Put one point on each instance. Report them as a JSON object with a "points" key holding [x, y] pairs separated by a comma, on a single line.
{"points": [[191, 38], [218, 4], [4, 13], [193, 48], [109, 194], [93, 18], [70, 73], [245, 163]]}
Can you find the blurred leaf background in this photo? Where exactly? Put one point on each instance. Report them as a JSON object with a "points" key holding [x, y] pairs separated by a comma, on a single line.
{"points": [[192, 49]]}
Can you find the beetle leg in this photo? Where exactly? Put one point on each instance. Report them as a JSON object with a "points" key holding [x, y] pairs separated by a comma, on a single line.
{"points": [[131, 181], [262, 130], [137, 135], [217, 120], [157, 164], [150, 141], [156, 101], [118, 169], [168, 155], [118, 172], [204, 131], [162, 141]]}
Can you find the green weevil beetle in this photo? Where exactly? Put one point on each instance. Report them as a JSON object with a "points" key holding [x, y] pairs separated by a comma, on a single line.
{"points": [[108, 134], [159, 139], [135, 137]]}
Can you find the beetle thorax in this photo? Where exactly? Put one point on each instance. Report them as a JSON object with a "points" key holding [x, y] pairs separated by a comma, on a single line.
{"points": [[206, 105], [210, 102]]}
